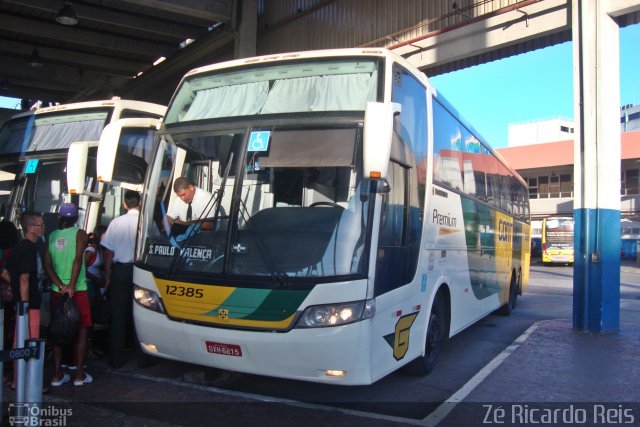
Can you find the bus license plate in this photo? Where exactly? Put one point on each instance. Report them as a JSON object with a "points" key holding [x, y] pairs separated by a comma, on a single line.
{"points": [[224, 349]]}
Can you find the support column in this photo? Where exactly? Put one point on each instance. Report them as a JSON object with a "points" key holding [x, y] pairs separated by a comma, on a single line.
{"points": [[596, 75], [246, 21]]}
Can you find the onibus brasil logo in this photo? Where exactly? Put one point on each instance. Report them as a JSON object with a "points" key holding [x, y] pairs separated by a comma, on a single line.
{"points": [[33, 414]]}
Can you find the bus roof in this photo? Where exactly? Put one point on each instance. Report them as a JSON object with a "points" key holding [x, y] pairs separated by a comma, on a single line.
{"points": [[324, 53], [113, 102]]}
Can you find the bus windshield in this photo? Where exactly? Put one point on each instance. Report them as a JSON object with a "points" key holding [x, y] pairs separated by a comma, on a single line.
{"points": [[282, 202], [40, 142], [52, 131], [559, 233], [300, 86]]}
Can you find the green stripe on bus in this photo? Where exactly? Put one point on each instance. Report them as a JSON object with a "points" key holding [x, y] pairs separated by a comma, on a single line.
{"points": [[279, 305]]}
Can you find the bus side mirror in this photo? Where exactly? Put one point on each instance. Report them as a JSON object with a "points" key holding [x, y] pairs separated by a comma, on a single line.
{"points": [[109, 141], [107, 151], [77, 165], [378, 132]]}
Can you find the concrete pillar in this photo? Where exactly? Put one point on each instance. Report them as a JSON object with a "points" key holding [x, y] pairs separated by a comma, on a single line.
{"points": [[596, 74], [246, 21]]}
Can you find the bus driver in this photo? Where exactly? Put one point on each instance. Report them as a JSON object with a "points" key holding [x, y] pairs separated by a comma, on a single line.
{"points": [[193, 203]]}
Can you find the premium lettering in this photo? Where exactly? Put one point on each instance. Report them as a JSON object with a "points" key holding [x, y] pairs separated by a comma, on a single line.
{"points": [[440, 219]]}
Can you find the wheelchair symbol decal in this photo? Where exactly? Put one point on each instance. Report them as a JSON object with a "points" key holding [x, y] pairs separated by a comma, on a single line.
{"points": [[259, 141]]}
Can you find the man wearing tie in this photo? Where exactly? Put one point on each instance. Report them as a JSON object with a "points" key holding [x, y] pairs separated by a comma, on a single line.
{"points": [[192, 204]]}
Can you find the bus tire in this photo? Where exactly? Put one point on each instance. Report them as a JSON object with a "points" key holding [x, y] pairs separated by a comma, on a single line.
{"points": [[511, 304], [423, 365]]}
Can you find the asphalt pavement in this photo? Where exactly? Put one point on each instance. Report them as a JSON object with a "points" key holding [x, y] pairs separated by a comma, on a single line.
{"points": [[553, 374]]}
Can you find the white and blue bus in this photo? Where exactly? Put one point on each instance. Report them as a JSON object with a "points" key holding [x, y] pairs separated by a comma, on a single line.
{"points": [[49, 155], [355, 221]]}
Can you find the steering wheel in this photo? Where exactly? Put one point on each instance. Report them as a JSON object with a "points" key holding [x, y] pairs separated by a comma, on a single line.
{"points": [[331, 204]]}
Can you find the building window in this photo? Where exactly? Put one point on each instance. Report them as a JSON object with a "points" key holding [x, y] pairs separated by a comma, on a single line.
{"points": [[543, 187], [550, 187], [554, 186], [566, 186], [630, 182], [533, 188], [566, 129]]}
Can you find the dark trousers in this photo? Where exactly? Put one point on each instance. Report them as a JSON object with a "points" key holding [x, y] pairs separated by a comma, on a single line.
{"points": [[122, 329], [121, 291]]}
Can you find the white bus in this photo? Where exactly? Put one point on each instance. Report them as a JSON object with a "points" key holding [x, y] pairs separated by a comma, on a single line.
{"points": [[48, 156], [355, 221]]}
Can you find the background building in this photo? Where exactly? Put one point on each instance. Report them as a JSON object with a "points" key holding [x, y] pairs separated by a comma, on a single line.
{"points": [[547, 167], [541, 131], [630, 118]]}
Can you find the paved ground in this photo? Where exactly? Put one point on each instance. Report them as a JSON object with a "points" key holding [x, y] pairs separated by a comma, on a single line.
{"points": [[551, 375]]}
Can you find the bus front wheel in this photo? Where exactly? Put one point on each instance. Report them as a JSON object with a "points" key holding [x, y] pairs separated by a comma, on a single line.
{"points": [[423, 365]]}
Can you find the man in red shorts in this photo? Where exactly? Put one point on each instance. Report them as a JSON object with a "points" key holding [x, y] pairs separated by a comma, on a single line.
{"points": [[64, 263]]}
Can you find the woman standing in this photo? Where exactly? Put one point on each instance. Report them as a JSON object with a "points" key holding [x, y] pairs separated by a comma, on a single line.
{"points": [[95, 282]]}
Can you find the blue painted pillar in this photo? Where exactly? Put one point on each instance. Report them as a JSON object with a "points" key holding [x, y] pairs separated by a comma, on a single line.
{"points": [[596, 75]]}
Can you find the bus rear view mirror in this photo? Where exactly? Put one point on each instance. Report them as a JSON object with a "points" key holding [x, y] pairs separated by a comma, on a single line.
{"points": [[110, 140], [77, 165], [378, 131]]}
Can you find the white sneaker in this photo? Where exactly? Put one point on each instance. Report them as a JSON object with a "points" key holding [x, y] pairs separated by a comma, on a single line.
{"points": [[87, 379], [57, 383]]}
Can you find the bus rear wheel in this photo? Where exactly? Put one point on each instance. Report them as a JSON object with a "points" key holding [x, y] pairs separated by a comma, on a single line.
{"points": [[423, 365], [508, 308]]}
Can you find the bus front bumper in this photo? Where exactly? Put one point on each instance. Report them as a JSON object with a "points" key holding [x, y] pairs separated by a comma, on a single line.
{"points": [[337, 355]]}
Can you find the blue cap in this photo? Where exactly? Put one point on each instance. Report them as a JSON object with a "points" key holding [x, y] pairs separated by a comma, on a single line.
{"points": [[68, 210]]}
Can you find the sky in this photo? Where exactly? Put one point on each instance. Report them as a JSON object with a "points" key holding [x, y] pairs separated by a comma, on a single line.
{"points": [[528, 87], [533, 86]]}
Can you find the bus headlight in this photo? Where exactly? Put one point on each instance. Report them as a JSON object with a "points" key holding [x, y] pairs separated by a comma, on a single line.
{"points": [[147, 299], [319, 316]]}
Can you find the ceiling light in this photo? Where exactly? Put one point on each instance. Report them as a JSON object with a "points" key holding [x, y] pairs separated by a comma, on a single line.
{"points": [[35, 60], [66, 15]]}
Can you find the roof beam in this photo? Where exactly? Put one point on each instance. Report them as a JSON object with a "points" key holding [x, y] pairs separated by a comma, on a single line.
{"points": [[208, 10], [486, 34], [106, 64], [58, 78], [118, 20], [184, 60], [623, 7], [82, 37]]}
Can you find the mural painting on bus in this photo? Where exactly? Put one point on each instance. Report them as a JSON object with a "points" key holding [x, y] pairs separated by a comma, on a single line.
{"points": [[231, 306]]}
